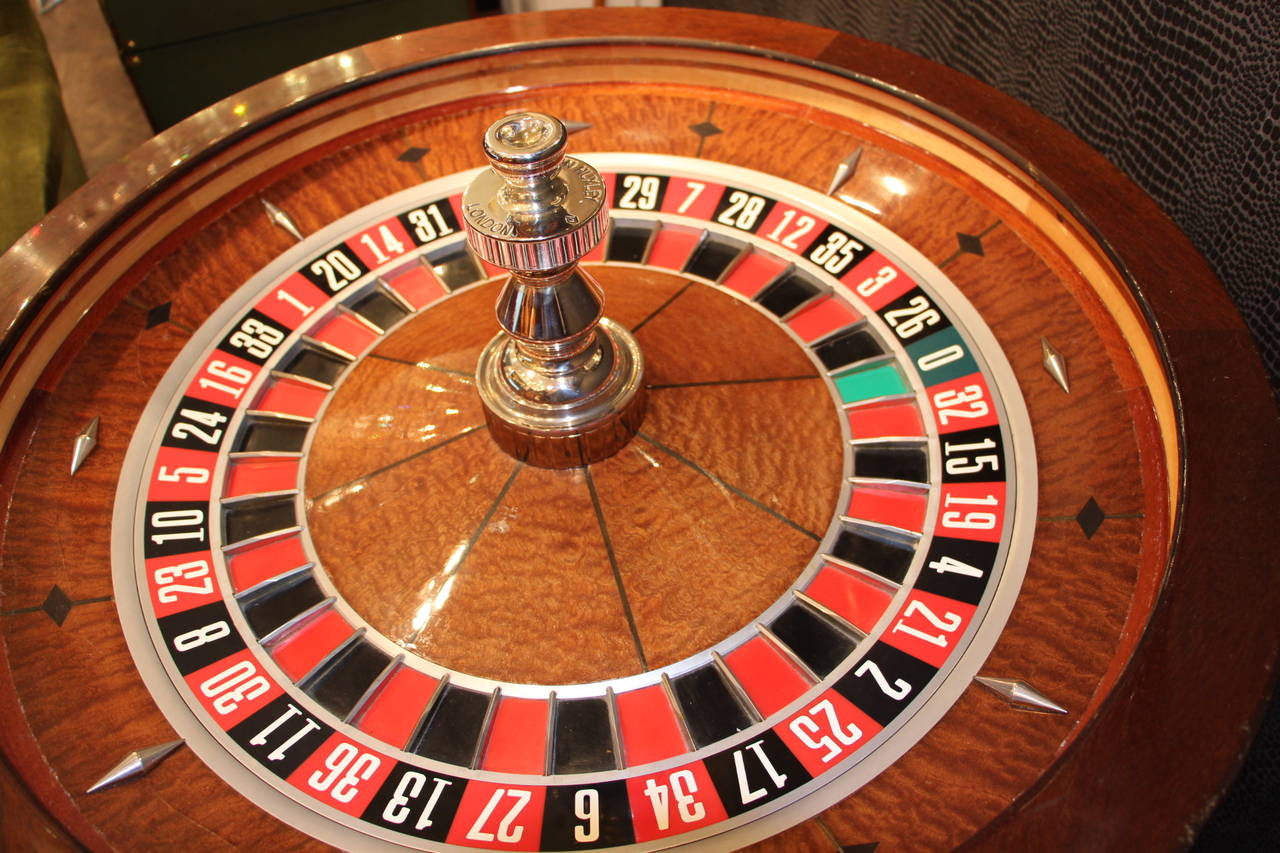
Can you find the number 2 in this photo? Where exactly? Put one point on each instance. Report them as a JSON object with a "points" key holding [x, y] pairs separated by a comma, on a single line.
{"points": [[896, 691]]}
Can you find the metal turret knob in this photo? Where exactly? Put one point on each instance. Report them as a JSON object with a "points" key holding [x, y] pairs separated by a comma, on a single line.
{"points": [[535, 210], [561, 384]]}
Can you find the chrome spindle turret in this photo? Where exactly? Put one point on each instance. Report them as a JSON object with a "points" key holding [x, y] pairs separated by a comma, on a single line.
{"points": [[561, 384]]}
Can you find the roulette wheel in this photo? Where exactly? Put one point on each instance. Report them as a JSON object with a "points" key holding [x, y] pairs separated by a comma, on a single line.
{"points": [[917, 527]]}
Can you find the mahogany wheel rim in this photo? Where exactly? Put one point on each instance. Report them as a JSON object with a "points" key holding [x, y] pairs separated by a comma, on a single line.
{"points": [[1181, 520]]}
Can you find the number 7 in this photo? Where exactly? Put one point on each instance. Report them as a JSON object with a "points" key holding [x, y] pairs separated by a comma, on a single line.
{"points": [[695, 190]]}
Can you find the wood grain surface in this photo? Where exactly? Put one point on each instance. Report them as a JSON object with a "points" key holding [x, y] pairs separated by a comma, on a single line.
{"points": [[414, 539], [1106, 625]]}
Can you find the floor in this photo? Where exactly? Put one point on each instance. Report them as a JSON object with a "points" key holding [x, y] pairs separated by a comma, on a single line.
{"points": [[105, 114]]}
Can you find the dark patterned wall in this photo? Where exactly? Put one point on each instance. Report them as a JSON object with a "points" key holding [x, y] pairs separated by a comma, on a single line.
{"points": [[1185, 98]]}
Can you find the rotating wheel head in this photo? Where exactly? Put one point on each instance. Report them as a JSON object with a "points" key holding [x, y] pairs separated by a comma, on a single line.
{"points": [[561, 384]]}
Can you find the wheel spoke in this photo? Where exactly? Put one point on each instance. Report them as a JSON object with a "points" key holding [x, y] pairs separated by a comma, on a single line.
{"points": [[711, 382], [613, 565], [364, 478], [475, 534], [674, 454], [422, 365], [656, 311]]}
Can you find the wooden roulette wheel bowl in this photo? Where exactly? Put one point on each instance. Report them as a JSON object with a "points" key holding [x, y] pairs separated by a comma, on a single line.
{"points": [[799, 217]]}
